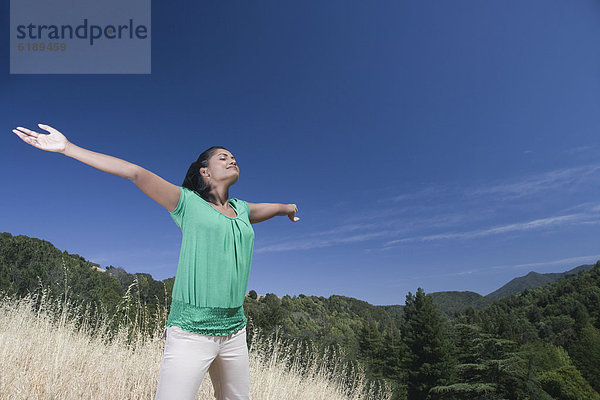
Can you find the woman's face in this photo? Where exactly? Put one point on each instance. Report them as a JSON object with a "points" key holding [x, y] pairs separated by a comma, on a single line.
{"points": [[222, 167]]}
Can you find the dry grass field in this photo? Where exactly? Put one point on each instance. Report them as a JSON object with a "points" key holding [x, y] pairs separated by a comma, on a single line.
{"points": [[44, 355]]}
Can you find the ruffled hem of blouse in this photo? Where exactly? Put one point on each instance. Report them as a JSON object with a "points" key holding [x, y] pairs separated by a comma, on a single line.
{"points": [[211, 321]]}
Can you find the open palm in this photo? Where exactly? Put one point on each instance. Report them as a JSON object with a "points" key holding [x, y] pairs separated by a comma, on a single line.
{"points": [[55, 141]]}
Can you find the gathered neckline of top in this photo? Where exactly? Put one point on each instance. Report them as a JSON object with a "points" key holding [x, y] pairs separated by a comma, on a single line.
{"points": [[237, 214]]}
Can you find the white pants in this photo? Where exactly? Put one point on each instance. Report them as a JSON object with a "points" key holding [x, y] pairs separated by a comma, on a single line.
{"points": [[187, 356]]}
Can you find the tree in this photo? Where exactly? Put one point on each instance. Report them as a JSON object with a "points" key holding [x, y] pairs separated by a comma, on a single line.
{"points": [[392, 354], [370, 344], [585, 353], [566, 383], [429, 360]]}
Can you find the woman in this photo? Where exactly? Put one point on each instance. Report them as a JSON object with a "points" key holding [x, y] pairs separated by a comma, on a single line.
{"points": [[206, 327]]}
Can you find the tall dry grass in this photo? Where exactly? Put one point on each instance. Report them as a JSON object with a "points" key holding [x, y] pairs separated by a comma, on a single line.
{"points": [[54, 349]]}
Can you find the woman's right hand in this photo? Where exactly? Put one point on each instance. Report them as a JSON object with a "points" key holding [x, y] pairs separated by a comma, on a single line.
{"points": [[55, 141]]}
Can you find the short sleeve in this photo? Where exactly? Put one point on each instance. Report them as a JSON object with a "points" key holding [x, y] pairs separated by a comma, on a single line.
{"points": [[178, 213], [244, 205]]}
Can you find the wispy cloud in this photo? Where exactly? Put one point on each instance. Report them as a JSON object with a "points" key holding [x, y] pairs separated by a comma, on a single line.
{"points": [[562, 261], [578, 150], [566, 263], [520, 226], [316, 240], [368, 231], [346, 228], [415, 215], [563, 179], [559, 179], [514, 187], [317, 243], [427, 192]]}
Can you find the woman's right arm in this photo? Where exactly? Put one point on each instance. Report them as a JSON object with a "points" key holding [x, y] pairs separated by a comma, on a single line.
{"points": [[164, 193]]}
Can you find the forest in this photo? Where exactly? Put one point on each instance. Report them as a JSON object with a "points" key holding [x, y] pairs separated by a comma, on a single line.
{"points": [[541, 342]]}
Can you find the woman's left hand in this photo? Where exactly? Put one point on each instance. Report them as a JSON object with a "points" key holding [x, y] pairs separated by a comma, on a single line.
{"points": [[292, 210]]}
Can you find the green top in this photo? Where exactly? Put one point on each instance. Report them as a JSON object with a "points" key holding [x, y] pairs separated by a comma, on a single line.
{"points": [[214, 265]]}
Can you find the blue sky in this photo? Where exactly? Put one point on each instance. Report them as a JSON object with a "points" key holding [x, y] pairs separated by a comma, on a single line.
{"points": [[444, 145]]}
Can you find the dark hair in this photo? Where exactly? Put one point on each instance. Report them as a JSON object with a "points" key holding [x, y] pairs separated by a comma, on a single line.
{"points": [[193, 180]]}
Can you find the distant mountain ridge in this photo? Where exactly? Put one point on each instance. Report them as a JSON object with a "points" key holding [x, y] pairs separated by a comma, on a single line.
{"points": [[451, 302], [533, 280]]}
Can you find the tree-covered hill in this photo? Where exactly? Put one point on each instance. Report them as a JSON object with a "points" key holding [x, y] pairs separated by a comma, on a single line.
{"points": [[27, 264], [452, 303], [565, 313], [533, 280]]}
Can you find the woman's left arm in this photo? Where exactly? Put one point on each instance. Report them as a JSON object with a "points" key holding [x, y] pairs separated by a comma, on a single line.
{"points": [[260, 212]]}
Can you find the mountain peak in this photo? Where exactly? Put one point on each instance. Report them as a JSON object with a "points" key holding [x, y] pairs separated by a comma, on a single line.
{"points": [[533, 280]]}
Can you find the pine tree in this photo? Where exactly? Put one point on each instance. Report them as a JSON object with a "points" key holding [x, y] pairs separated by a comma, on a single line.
{"points": [[429, 360], [370, 348], [392, 354]]}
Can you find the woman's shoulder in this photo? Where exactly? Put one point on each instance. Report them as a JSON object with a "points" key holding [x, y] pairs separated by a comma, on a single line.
{"points": [[191, 196], [240, 204], [190, 193]]}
